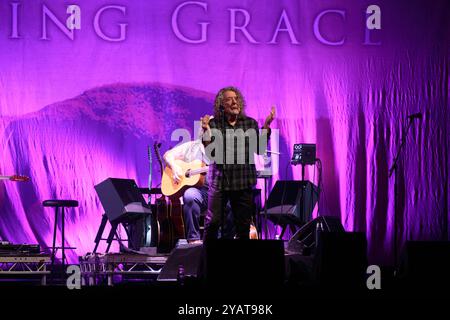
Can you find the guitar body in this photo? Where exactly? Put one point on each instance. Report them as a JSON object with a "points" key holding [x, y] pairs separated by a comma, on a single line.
{"points": [[169, 214], [176, 217], [165, 243], [176, 189]]}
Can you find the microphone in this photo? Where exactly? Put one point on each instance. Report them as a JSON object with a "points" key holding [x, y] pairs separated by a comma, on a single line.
{"points": [[413, 116], [273, 152]]}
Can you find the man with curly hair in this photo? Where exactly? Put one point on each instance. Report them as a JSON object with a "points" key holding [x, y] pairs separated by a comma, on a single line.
{"points": [[232, 176]]}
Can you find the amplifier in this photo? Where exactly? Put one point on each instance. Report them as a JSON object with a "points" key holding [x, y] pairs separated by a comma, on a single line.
{"points": [[7, 248]]}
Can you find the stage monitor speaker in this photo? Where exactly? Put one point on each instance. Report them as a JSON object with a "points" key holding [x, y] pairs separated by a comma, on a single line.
{"points": [[292, 201], [427, 264], [121, 199], [340, 260], [243, 264], [305, 237], [186, 256]]}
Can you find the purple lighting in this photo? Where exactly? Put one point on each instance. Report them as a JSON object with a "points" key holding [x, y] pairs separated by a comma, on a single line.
{"points": [[75, 111]]}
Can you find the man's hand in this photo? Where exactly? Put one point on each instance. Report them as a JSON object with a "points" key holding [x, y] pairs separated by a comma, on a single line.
{"points": [[205, 121], [269, 118], [177, 173], [205, 130]]}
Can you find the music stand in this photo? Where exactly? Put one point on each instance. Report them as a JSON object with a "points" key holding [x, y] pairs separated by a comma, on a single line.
{"points": [[123, 202], [304, 154], [263, 175], [289, 204]]}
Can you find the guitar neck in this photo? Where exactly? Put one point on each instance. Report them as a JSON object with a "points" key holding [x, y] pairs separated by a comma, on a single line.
{"points": [[5, 177], [150, 172], [199, 171]]}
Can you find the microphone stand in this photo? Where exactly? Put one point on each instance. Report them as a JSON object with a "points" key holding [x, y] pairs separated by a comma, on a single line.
{"points": [[150, 176], [224, 178], [393, 169], [266, 228]]}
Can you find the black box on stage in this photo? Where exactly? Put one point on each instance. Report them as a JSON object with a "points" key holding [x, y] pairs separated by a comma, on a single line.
{"points": [[340, 261], [243, 264], [427, 264], [187, 256], [292, 200], [7, 248], [304, 153], [121, 198]]}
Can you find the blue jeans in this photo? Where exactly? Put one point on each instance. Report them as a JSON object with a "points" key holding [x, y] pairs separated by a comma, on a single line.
{"points": [[195, 201]]}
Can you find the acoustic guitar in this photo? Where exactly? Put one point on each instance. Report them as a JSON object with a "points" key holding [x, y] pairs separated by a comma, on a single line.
{"points": [[194, 174]]}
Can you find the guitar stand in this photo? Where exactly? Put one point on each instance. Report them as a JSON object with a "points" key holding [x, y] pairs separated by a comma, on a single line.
{"points": [[111, 235], [284, 226], [284, 223]]}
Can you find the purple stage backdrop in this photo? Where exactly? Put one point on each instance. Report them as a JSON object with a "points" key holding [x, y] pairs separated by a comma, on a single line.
{"points": [[84, 89]]}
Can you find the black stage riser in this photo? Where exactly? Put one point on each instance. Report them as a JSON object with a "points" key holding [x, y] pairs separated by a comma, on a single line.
{"points": [[230, 263]]}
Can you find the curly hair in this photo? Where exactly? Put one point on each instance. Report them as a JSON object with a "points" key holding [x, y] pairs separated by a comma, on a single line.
{"points": [[219, 98]]}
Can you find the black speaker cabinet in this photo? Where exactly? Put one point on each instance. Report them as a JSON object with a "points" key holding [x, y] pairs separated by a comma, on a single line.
{"points": [[340, 260], [238, 264], [427, 264], [305, 237], [121, 199], [186, 256], [292, 201]]}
